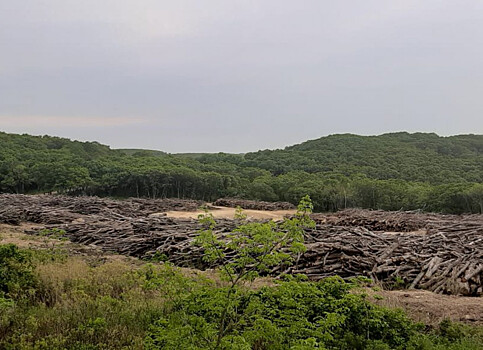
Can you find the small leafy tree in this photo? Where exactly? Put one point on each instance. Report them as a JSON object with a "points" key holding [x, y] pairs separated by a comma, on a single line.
{"points": [[252, 248]]}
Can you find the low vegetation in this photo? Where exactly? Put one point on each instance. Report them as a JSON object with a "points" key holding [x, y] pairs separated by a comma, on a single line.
{"points": [[71, 303], [50, 300]]}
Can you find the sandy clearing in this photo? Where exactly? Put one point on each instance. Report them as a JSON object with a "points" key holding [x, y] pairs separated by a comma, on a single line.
{"points": [[229, 213]]}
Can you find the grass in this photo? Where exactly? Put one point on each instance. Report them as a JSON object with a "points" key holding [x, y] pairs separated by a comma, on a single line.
{"points": [[58, 301], [110, 306]]}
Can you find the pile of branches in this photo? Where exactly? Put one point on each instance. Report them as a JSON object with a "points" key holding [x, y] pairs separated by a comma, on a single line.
{"points": [[164, 238], [393, 221], [448, 258], [255, 205], [447, 261], [47, 209]]}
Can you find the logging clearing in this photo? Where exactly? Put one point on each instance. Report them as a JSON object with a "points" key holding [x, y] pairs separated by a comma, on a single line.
{"points": [[439, 253]]}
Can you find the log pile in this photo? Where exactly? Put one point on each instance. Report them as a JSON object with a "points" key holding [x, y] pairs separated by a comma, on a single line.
{"points": [[448, 258], [448, 261], [46, 209], [393, 221], [255, 205], [143, 238]]}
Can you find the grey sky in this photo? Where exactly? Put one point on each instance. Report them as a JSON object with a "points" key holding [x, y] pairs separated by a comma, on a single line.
{"points": [[237, 76]]}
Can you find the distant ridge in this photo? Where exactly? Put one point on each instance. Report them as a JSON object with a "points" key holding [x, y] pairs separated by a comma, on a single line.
{"points": [[424, 157]]}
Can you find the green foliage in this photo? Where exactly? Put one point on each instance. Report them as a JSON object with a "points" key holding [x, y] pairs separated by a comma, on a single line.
{"points": [[410, 157], [16, 277], [293, 315], [120, 305], [449, 336], [256, 247], [397, 283], [390, 171], [76, 306], [55, 233], [302, 315], [157, 257]]}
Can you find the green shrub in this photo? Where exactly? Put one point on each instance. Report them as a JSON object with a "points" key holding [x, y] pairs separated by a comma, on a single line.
{"points": [[55, 233], [257, 246], [120, 305], [290, 315], [16, 277], [449, 336]]}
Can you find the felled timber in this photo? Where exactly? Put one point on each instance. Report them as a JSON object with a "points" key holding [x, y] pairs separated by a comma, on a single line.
{"points": [[56, 209], [445, 255], [446, 260], [394, 221]]}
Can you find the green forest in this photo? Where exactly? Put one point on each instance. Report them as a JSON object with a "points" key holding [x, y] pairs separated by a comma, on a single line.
{"points": [[397, 171]]}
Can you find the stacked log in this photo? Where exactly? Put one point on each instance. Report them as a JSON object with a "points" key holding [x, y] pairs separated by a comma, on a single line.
{"points": [[142, 238], [59, 209], [447, 261], [255, 205], [447, 258], [392, 221]]}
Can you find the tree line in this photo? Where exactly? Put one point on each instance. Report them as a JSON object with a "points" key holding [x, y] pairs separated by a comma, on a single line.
{"points": [[390, 172]]}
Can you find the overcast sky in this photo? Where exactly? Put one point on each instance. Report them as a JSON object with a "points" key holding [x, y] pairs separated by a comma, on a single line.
{"points": [[238, 76]]}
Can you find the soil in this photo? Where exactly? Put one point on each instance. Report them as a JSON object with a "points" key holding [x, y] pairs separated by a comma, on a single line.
{"points": [[431, 308], [229, 213]]}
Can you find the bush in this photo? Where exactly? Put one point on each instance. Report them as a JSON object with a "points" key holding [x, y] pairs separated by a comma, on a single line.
{"points": [[291, 315], [449, 336], [120, 305], [78, 306], [16, 276]]}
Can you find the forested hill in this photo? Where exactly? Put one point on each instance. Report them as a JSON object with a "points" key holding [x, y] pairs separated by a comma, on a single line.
{"points": [[390, 171], [413, 157]]}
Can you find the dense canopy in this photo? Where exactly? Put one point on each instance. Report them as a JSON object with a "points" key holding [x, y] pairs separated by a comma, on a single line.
{"points": [[391, 171]]}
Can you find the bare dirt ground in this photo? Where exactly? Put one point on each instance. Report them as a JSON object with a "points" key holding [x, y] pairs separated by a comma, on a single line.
{"points": [[229, 213], [15, 235], [431, 308]]}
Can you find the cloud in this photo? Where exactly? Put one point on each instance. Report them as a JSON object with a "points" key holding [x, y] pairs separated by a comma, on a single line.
{"points": [[78, 122], [238, 75]]}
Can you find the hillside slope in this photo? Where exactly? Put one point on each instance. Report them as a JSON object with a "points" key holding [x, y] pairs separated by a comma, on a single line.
{"points": [[411, 157], [390, 171]]}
